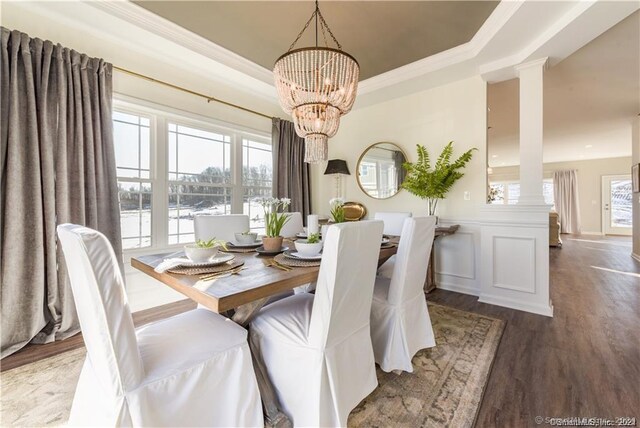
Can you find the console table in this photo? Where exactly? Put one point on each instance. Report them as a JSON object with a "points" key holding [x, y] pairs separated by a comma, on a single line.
{"points": [[430, 282]]}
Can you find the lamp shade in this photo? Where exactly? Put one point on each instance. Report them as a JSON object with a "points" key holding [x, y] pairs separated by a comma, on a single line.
{"points": [[337, 166]]}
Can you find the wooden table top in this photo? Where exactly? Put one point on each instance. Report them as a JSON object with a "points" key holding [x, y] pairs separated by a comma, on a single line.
{"points": [[255, 282]]}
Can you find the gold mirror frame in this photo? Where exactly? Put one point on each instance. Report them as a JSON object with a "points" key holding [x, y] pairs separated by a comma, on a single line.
{"points": [[360, 160]]}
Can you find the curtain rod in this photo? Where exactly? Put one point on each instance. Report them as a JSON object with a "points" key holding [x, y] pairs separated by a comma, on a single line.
{"points": [[189, 91]]}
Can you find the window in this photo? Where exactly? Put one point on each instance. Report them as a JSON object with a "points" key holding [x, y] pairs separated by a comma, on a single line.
{"points": [[131, 136], [257, 175], [172, 167], [509, 192], [547, 191], [199, 178], [496, 193]]}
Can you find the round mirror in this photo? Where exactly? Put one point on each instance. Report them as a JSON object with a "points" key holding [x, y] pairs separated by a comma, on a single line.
{"points": [[380, 171]]}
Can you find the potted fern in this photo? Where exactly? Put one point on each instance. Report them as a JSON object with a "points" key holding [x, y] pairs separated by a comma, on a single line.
{"points": [[434, 183]]}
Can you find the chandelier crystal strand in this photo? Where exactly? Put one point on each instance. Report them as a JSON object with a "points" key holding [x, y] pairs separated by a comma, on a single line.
{"points": [[316, 85]]}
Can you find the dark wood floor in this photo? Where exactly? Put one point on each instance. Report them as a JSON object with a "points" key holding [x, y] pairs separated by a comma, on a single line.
{"points": [[585, 361]]}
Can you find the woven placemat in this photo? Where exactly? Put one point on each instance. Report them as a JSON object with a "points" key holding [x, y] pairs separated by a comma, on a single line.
{"points": [[288, 261], [231, 264], [238, 250]]}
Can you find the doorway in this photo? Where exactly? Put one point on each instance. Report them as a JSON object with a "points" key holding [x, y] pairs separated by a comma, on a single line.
{"points": [[616, 204]]}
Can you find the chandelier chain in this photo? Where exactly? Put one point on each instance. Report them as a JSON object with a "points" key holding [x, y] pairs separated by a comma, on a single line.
{"points": [[302, 31], [329, 30], [323, 25]]}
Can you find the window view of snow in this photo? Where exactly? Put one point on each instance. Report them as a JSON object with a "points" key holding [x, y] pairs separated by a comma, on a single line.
{"points": [[199, 175], [621, 203]]}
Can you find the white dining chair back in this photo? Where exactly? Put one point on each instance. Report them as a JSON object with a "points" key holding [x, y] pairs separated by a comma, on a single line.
{"points": [[223, 227], [192, 369], [293, 226], [103, 310], [412, 259], [317, 348], [400, 323], [344, 288], [393, 221]]}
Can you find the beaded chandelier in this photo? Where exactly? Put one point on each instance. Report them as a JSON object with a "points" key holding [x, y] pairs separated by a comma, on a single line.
{"points": [[316, 85]]}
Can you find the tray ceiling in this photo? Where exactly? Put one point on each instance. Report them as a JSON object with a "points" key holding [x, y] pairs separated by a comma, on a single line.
{"points": [[382, 35]]}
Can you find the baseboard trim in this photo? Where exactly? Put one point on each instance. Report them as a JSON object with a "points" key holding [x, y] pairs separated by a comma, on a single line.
{"points": [[635, 257], [450, 286], [592, 233], [520, 306]]}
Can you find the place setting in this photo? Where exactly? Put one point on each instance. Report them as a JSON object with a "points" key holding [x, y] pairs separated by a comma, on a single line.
{"points": [[308, 253], [201, 257], [245, 242]]}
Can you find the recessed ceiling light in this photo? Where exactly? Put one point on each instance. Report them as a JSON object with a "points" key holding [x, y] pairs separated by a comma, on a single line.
{"points": [[494, 156], [588, 146]]}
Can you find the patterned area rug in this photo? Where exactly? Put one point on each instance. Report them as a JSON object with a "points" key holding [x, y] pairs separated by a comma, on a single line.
{"points": [[445, 388]]}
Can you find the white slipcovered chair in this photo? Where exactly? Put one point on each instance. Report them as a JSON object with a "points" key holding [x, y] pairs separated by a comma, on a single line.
{"points": [[220, 226], [400, 323], [317, 349], [293, 226], [193, 369], [393, 221]]}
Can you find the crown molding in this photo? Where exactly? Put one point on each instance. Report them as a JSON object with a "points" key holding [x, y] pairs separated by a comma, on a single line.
{"points": [[142, 18], [453, 56]]}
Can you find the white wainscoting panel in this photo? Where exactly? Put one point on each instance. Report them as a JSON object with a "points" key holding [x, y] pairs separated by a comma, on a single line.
{"points": [[514, 263], [515, 257], [456, 258]]}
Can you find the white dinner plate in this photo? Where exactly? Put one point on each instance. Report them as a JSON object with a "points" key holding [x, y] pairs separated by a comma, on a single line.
{"points": [[217, 260], [385, 241], [239, 245], [296, 255]]}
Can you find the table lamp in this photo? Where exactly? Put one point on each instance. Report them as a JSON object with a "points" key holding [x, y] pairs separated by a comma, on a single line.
{"points": [[337, 168]]}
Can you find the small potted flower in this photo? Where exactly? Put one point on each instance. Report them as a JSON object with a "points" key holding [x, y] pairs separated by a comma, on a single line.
{"points": [[337, 210], [336, 206], [274, 219]]}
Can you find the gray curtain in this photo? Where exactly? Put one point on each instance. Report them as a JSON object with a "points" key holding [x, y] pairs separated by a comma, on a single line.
{"points": [[58, 166], [399, 160], [567, 201], [290, 172]]}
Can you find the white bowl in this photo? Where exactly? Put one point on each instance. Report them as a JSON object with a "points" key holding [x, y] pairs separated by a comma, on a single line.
{"points": [[200, 255], [246, 238], [306, 249]]}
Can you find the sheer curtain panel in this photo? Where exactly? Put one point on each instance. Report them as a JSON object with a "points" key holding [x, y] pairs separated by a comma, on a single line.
{"points": [[565, 191], [58, 166], [290, 172]]}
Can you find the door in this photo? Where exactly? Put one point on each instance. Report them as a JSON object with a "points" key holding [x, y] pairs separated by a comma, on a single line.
{"points": [[616, 204]]}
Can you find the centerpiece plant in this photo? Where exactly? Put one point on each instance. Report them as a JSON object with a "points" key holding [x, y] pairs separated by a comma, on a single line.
{"points": [[337, 210], [274, 219], [434, 183]]}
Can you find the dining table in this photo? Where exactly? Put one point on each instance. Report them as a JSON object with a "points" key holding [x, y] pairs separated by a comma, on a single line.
{"points": [[240, 296]]}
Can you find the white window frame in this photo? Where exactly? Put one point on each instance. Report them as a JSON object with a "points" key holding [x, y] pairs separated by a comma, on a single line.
{"points": [[505, 184], [159, 118]]}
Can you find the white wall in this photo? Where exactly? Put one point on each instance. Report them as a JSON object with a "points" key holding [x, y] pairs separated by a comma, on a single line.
{"points": [[590, 174], [432, 118]]}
